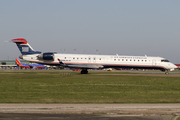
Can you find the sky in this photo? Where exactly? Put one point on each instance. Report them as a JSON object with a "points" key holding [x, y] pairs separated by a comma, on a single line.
{"points": [[124, 27]]}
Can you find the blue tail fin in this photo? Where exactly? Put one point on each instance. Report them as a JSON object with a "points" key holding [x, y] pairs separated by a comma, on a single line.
{"points": [[24, 47]]}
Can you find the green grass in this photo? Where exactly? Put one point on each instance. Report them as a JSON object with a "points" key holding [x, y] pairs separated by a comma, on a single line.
{"points": [[53, 87]]}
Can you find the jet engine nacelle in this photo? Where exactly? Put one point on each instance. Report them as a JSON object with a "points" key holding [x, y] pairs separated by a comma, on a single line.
{"points": [[46, 56]]}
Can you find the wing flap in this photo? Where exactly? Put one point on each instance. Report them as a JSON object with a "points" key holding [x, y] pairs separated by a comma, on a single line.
{"points": [[82, 66]]}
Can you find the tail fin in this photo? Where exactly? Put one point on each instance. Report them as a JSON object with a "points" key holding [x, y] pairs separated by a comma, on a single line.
{"points": [[18, 62], [24, 47]]}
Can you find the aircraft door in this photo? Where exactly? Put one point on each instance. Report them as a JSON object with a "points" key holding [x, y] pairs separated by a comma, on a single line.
{"points": [[153, 62]]}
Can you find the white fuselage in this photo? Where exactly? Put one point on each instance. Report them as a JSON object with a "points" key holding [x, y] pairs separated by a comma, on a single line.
{"points": [[105, 61]]}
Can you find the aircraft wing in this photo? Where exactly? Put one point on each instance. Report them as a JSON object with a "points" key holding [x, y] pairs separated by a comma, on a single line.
{"points": [[82, 66], [85, 66]]}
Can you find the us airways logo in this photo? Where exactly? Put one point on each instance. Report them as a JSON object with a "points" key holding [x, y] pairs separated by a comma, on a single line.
{"points": [[25, 49]]}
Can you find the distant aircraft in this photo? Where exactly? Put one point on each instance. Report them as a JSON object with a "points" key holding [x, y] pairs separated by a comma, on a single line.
{"points": [[87, 61], [35, 66], [22, 64]]}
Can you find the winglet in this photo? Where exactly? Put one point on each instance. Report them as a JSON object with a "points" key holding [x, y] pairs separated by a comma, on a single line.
{"points": [[60, 62]]}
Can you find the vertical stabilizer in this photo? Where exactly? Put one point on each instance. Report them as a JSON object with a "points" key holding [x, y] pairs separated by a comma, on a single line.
{"points": [[18, 62], [24, 47]]}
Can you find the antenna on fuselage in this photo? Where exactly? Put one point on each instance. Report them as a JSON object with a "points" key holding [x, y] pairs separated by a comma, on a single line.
{"points": [[75, 51], [96, 51]]}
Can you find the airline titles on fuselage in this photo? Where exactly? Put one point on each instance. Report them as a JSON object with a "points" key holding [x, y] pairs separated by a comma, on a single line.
{"points": [[115, 58]]}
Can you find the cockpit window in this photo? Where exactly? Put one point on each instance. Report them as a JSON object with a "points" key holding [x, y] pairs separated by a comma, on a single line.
{"points": [[164, 60]]}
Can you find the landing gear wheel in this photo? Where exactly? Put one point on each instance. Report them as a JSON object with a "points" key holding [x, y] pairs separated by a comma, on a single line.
{"points": [[84, 71]]}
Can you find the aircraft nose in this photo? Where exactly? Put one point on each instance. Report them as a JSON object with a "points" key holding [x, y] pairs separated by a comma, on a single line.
{"points": [[175, 66]]}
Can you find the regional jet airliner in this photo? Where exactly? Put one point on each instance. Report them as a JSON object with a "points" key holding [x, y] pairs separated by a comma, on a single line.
{"points": [[88, 61]]}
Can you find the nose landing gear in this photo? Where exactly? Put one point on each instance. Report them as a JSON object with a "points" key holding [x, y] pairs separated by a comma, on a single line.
{"points": [[166, 72]]}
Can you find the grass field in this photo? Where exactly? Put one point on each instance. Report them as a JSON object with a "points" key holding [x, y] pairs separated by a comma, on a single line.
{"points": [[71, 87]]}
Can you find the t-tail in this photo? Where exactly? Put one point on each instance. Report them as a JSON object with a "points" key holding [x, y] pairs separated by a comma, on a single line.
{"points": [[24, 47]]}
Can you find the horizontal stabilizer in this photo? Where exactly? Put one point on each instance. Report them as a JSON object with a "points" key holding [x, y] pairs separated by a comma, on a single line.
{"points": [[24, 47], [19, 41]]}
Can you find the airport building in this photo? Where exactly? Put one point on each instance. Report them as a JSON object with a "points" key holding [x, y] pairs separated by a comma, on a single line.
{"points": [[9, 64]]}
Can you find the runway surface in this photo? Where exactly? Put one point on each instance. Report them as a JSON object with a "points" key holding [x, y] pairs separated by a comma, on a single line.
{"points": [[25, 116], [89, 111]]}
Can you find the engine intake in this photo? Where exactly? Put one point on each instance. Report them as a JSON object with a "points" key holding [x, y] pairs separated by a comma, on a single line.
{"points": [[46, 56]]}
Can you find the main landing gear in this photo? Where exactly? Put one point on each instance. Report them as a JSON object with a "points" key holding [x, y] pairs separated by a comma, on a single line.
{"points": [[84, 71], [166, 72]]}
